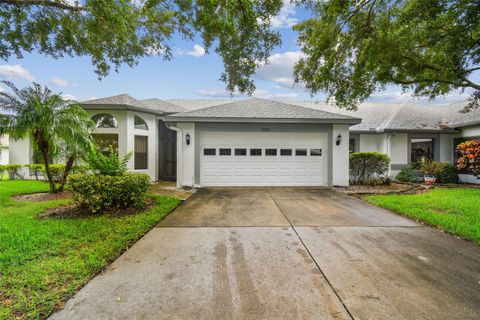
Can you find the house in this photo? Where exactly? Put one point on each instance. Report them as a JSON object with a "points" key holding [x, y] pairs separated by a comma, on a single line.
{"points": [[258, 142], [4, 144]]}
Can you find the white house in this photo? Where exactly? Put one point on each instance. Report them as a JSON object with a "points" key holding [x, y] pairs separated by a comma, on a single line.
{"points": [[258, 142], [4, 147]]}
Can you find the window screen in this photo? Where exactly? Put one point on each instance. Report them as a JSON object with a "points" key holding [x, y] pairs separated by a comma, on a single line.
{"points": [[270, 152], [255, 152], [241, 152], [225, 152], [104, 141], [141, 152], [300, 152], [285, 152], [421, 149], [315, 152], [209, 151]]}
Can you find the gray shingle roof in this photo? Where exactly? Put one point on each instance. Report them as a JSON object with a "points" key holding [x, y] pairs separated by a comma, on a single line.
{"points": [[121, 99], [404, 116], [164, 106], [261, 109]]}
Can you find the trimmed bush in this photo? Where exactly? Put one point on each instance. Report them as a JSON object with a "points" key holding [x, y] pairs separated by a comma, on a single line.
{"points": [[56, 170], [99, 192], [12, 170], [80, 169], [368, 167], [34, 169], [408, 174], [448, 174]]}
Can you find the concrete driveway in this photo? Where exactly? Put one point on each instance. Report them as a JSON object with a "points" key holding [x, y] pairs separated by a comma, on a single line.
{"points": [[285, 253]]}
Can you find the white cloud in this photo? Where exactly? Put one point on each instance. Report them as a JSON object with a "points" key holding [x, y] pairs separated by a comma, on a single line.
{"points": [[221, 93], [59, 82], [286, 17], [11, 72], [280, 68], [69, 97], [197, 51]]}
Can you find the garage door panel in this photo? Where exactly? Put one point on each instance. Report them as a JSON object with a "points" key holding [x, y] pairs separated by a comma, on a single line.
{"points": [[262, 170]]}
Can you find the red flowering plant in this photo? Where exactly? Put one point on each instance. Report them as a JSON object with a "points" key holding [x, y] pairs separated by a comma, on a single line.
{"points": [[469, 156]]}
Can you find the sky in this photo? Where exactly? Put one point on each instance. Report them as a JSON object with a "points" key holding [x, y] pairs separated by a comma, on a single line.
{"points": [[191, 74]]}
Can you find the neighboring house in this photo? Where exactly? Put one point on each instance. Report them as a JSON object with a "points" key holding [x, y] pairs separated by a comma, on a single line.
{"points": [[4, 156], [258, 142]]}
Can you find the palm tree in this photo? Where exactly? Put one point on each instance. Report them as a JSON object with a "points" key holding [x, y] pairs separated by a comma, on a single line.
{"points": [[56, 126]]}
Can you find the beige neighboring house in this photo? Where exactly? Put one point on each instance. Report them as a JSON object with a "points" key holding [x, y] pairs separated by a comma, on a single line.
{"points": [[4, 143]]}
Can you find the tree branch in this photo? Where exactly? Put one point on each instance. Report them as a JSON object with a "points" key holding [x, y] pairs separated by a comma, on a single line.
{"points": [[45, 3]]}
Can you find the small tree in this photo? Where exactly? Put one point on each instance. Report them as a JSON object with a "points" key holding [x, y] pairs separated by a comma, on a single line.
{"points": [[469, 157], [53, 124], [110, 165]]}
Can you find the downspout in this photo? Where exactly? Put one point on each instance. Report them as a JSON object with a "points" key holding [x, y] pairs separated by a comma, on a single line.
{"points": [[179, 153]]}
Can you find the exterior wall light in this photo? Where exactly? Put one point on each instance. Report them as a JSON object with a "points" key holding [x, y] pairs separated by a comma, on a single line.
{"points": [[339, 139], [187, 139]]}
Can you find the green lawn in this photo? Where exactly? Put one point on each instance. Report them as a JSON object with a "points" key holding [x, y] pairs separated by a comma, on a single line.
{"points": [[454, 210], [43, 262]]}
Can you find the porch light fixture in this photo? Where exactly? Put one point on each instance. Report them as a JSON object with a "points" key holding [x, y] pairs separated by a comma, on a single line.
{"points": [[187, 139], [339, 139]]}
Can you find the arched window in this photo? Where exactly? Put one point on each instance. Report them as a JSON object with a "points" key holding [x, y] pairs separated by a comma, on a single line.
{"points": [[105, 120], [140, 124]]}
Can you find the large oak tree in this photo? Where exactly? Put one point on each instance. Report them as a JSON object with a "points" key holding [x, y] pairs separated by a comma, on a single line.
{"points": [[116, 32], [353, 48]]}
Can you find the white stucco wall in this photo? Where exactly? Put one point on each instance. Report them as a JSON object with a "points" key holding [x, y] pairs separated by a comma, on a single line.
{"points": [[126, 136], [471, 131], [186, 155], [4, 153], [373, 142], [340, 165], [20, 151]]}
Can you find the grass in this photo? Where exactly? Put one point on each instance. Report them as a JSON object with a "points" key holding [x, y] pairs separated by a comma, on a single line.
{"points": [[456, 211], [44, 262]]}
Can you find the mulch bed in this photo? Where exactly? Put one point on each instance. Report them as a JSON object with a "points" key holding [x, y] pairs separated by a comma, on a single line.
{"points": [[42, 196], [71, 211], [383, 189]]}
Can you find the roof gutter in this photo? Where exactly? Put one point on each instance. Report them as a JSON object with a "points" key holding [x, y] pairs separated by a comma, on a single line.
{"points": [[119, 107], [351, 121]]}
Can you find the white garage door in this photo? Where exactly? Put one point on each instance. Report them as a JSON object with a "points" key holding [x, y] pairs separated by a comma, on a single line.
{"points": [[263, 159]]}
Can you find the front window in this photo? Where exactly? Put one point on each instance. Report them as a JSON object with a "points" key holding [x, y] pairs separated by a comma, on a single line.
{"points": [[141, 153], [140, 124], [104, 141], [351, 145], [105, 120], [422, 150]]}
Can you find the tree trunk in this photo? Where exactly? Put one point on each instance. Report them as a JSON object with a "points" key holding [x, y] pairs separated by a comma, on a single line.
{"points": [[68, 168], [47, 169]]}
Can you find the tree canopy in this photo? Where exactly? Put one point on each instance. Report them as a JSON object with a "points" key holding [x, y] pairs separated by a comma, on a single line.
{"points": [[116, 32], [354, 48]]}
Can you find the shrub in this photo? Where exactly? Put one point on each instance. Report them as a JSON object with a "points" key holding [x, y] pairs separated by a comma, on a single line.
{"points": [[2, 170], [56, 170], [34, 169], [407, 174], [469, 157], [110, 165], [449, 173], [97, 192], [80, 169], [431, 168], [366, 167], [12, 170]]}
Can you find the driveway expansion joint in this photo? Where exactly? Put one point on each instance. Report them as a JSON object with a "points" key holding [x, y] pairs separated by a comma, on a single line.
{"points": [[311, 257]]}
